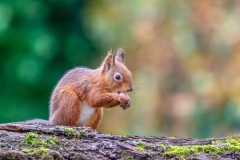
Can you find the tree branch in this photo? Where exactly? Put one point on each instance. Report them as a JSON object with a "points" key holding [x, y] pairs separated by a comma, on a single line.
{"points": [[34, 141]]}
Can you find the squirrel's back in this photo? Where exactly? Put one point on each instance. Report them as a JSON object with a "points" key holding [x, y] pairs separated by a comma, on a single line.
{"points": [[78, 79]]}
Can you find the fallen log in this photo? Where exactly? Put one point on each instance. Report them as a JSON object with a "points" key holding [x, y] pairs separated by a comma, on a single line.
{"points": [[24, 140]]}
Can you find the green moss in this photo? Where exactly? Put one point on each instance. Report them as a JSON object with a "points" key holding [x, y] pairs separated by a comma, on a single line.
{"points": [[73, 132], [33, 140], [127, 155], [140, 146], [150, 145], [83, 133], [42, 150], [41, 153], [37, 151], [28, 150], [179, 150], [163, 147], [186, 150], [231, 144], [39, 146], [52, 141], [9, 158]]}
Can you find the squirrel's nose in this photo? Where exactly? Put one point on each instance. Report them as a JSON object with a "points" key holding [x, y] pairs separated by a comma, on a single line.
{"points": [[130, 89]]}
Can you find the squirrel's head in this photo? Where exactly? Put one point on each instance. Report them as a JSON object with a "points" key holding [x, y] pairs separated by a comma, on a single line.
{"points": [[115, 74]]}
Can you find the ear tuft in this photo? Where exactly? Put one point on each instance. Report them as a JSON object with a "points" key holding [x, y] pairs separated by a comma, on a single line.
{"points": [[109, 61], [120, 55]]}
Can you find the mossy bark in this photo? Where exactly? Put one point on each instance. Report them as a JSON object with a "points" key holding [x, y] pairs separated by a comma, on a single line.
{"points": [[44, 141]]}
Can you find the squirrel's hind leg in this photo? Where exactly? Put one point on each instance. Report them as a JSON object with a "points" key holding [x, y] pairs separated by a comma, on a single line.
{"points": [[67, 108], [95, 119]]}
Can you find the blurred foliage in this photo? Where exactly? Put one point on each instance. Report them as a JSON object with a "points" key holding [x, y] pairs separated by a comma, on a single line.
{"points": [[185, 59]]}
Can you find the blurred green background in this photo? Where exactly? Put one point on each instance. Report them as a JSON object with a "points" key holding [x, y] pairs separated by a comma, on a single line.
{"points": [[185, 60]]}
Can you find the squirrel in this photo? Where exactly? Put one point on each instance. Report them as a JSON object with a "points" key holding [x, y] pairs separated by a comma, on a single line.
{"points": [[81, 94]]}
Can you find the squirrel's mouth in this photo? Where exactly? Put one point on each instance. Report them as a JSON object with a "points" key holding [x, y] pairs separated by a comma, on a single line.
{"points": [[118, 92]]}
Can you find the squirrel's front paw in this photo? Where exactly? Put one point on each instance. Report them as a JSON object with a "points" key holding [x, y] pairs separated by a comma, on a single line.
{"points": [[125, 101]]}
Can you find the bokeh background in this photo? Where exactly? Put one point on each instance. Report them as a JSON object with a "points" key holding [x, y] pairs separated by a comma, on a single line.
{"points": [[184, 56]]}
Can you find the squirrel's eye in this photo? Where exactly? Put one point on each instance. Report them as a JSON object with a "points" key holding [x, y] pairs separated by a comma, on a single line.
{"points": [[117, 77]]}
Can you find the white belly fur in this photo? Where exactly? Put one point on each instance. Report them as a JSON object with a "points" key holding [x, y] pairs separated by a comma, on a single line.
{"points": [[86, 113]]}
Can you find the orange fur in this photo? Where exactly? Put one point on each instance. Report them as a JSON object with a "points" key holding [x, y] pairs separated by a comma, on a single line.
{"points": [[65, 98], [79, 96], [94, 120]]}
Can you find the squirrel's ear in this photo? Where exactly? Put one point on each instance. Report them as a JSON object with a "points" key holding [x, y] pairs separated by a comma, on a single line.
{"points": [[120, 55], [109, 61]]}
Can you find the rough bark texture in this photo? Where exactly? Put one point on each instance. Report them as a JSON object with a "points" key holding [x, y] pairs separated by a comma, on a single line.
{"points": [[44, 141]]}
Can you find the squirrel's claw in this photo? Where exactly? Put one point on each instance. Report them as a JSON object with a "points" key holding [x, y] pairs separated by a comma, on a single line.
{"points": [[124, 101], [126, 105]]}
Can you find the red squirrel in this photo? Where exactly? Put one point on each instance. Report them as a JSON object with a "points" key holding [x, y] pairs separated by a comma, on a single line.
{"points": [[80, 95]]}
